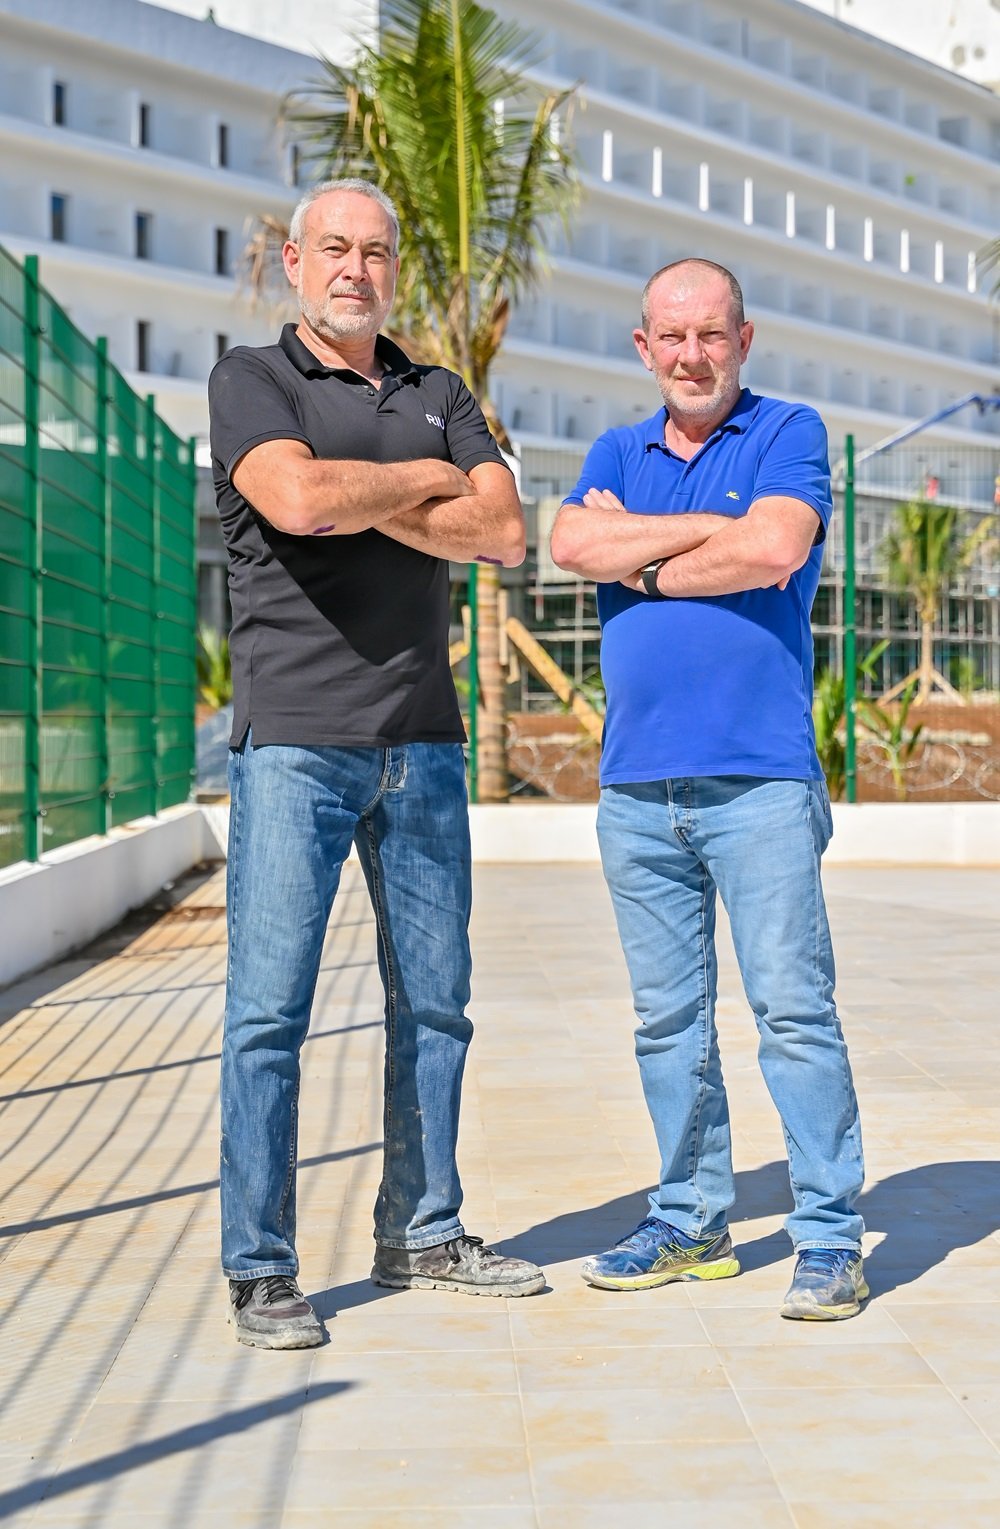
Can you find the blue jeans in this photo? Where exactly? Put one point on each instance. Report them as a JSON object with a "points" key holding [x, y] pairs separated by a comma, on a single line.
{"points": [[294, 815], [668, 846]]}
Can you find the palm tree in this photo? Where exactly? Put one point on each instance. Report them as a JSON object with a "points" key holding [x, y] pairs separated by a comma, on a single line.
{"points": [[922, 553], [441, 114]]}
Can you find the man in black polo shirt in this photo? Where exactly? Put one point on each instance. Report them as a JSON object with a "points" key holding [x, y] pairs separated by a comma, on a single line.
{"points": [[346, 479]]}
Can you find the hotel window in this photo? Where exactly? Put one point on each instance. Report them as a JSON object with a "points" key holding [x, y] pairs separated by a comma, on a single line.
{"points": [[58, 209], [144, 236], [222, 147], [143, 331], [58, 103], [144, 124], [222, 252], [221, 346]]}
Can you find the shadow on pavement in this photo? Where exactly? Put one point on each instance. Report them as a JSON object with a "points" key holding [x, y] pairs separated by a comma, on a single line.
{"points": [[107, 1467], [925, 1213]]}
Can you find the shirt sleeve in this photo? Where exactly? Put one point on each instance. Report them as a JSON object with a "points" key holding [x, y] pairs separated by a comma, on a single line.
{"points": [[470, 441], [796, 464], [602, 468], [247, 406]]}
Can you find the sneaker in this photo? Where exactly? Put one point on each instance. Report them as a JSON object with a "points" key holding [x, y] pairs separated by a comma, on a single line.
{"points": [[272, 1312], [827, 1286], [461, 1264], [657, 1253]]}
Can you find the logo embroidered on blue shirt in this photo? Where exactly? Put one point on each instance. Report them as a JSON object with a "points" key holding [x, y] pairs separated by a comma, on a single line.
{"points": [[732, 494]]}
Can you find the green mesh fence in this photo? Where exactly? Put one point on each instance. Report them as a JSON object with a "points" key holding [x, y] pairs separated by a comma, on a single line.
{"points": [[98, 586]]}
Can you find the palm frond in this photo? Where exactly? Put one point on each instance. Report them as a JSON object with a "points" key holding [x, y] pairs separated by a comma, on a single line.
{"points": [[437, 79]]}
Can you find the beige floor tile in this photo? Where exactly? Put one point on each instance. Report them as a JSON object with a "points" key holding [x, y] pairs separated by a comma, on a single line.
{"points": [[584, 1417], [843, 1367], [560, 1369], [376, 1420], [619, 1473], [318, 1517], [734, 1328], [887, 1439], [982, 1402], [616, 1323], [375, 1479], [914, 1513], [487, 1372], [769, 1513]]}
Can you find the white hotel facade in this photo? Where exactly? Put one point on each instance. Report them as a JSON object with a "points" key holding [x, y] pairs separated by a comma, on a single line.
{"points": [[848, 184]]}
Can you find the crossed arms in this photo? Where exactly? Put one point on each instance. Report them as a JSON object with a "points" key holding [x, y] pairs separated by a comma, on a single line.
{"points": [[431, 506], [709, 554]]}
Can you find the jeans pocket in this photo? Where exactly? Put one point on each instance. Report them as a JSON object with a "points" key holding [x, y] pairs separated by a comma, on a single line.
{"points": [[824, 811]]}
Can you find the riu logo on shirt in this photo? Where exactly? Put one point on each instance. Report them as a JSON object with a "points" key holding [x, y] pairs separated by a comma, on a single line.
{"points": [[435, 419], [731, 493]]}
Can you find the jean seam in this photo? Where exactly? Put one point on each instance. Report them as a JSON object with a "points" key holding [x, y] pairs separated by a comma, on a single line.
{"points": [[378, 903], [236, 821], [703, 1068], [293, 1141]]}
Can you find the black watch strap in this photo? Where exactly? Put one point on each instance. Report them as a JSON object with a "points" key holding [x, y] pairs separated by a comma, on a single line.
{"points": [[648, 577]]}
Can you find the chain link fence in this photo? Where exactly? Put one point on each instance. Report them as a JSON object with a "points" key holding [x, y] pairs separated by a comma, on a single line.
{"points": [[98, 585]]}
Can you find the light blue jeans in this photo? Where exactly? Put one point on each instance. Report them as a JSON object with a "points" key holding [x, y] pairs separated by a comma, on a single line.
{"points": [[668, 846], [295, 813]]}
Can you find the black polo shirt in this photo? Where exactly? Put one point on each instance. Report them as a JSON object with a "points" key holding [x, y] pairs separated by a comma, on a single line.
{"points": [[338, 639]]}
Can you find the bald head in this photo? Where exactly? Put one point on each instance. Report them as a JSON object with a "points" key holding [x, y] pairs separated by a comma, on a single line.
{"points": [[692, 272]]}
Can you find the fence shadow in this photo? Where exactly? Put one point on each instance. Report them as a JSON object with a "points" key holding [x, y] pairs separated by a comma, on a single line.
{"points": [[179, 1441]]}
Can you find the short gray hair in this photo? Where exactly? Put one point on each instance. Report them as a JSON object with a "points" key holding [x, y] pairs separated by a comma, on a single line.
{"points": [[735, 290], [297, 225]]}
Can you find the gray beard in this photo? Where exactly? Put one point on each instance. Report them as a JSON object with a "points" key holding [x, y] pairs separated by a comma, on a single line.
{"points": [[346, 326]]}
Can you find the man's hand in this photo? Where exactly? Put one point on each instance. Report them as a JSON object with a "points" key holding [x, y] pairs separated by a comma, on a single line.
{"points": [[600, 539], [488, 528], [760, 550], [304, 495]]}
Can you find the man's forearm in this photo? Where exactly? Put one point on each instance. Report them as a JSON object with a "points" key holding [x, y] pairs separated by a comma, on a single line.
{"points": [[733, 561], [477, 529], [607, 545]]}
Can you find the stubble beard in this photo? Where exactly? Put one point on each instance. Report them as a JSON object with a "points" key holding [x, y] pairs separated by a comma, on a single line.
{"points": [[333, 324], [682, 404]]}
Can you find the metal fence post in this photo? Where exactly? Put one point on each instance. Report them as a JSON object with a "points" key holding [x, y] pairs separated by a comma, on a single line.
{"points": [[33, 509], [850, 649], [473, 683], [101, 456], [193, 482], [152, 468]]}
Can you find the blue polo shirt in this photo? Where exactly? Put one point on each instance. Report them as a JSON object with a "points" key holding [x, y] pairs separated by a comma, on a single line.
{"points": [[722, 684]]}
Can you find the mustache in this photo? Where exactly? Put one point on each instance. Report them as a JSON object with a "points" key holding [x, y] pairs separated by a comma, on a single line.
{"points": [[350, 290]]}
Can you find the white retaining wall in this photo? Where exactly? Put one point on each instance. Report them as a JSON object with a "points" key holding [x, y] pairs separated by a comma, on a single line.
{"points": [[74, 894]]}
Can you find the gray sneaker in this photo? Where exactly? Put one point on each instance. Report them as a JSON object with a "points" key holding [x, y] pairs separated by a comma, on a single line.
{"points": [[461, 1264], [272, 1312]]}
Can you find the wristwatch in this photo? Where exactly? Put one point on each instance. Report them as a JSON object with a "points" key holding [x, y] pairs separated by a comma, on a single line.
{"points": [[648, 577]]}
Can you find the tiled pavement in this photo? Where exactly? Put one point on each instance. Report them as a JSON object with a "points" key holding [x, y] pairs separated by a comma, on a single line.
{"points": [[125, 1401]]}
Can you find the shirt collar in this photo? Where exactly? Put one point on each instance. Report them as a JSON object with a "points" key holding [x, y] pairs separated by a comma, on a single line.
{"points": [[738, 421], [302, 358]]}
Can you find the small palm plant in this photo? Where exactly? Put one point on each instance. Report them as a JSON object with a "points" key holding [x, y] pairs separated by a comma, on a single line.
{"points": [[922, 554], [828, 723], [215, 674], [887, 730]]}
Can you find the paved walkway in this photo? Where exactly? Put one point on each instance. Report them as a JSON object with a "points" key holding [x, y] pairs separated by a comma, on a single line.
{"points": [[125, 1400]]}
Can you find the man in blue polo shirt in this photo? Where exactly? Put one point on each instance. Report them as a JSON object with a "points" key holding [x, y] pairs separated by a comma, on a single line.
{"points": [[703, 527]]}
